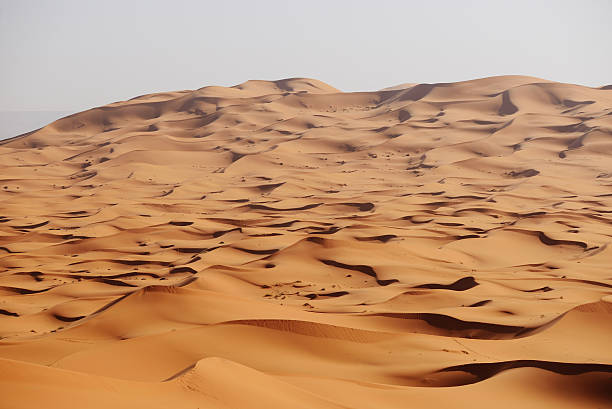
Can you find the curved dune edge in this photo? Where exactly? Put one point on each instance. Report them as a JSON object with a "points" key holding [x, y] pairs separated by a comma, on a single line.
{"points": [[286, 244], [212, 384]]}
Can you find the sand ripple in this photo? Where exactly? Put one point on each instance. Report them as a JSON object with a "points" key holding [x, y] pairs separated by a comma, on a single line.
{"points": [[284, 244]]}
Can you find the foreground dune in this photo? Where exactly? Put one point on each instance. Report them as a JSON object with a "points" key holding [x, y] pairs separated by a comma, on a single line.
{"points": [[284, 244]]}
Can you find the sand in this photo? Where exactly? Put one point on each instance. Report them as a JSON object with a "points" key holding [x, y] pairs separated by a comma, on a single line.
{"points": [[287, 245]]}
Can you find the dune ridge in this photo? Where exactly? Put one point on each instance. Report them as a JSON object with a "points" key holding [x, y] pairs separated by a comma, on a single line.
{"points": [[286, 244]]}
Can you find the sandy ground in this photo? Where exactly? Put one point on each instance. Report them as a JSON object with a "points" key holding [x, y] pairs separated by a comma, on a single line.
{"points": [[287, 245]]}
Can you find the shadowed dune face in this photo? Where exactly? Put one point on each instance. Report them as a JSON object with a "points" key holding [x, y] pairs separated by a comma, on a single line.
{"points": [[284, 244]]}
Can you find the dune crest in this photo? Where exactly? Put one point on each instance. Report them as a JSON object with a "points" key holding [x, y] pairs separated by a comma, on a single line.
{"points": [[286, 244]]}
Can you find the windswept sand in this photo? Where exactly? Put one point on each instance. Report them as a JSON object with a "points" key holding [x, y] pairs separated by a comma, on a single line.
{"points": [[287, 245]]}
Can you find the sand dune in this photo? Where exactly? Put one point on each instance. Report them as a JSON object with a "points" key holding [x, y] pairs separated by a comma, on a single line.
{"points": [[284, 244]]}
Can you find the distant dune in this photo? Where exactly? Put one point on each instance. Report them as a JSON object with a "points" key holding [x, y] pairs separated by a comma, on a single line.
{"points": [[282, 244]]}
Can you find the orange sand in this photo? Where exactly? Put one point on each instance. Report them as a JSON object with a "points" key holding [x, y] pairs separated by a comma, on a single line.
{"points": [[287, 245]]}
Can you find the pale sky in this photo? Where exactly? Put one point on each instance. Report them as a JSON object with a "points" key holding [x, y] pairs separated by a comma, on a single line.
{"points": [[63, 55]]}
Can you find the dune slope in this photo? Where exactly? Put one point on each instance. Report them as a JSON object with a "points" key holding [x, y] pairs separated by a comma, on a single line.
{"points": [[284, 244]]}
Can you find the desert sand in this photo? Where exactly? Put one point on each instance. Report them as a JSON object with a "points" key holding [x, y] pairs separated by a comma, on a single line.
{"points": [[283, 244]]}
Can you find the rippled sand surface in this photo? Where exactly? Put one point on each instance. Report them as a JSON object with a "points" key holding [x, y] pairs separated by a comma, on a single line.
{"points": [[284, 244]]}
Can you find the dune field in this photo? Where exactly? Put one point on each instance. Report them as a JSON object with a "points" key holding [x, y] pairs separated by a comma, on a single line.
{"points": [[283, 244]]}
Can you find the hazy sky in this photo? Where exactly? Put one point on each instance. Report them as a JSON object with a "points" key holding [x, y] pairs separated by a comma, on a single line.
{"points": [[72, 55]]}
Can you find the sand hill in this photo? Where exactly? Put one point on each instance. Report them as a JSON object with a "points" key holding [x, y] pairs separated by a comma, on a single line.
{"points": [[287, 245]]}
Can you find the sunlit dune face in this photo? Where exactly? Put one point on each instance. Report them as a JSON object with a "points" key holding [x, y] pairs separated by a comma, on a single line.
{"points": [[284, 244]]}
